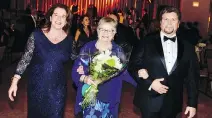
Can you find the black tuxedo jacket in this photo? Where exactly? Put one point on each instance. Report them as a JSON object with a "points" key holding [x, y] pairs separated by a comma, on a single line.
{"points": [[149, 55], [29, 25], [145, 20]]}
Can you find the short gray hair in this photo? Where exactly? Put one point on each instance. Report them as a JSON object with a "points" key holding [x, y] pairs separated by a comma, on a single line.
{"points": [[107, 20]]}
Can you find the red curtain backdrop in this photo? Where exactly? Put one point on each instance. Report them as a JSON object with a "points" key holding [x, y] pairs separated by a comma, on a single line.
{"points": [[102, 5], [152, 5], [175, 3]]}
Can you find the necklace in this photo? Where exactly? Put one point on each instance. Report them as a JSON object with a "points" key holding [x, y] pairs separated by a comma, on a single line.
{"points": [[99, 46]]}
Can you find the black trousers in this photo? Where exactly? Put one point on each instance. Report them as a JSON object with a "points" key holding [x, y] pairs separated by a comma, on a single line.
{"points": [[148, 114]]}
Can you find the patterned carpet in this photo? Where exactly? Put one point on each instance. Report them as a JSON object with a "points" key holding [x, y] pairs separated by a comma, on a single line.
{"points": [[18, 109]]}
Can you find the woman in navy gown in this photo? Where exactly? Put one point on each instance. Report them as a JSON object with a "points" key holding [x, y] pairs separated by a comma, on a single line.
{"points": [[108, 97], [47, 50]]}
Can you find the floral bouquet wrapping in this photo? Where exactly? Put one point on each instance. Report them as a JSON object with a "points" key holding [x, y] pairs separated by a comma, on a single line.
{"points": [[103, 66]]}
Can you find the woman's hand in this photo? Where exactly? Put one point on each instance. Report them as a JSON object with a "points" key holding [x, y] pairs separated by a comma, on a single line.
{"points": [[143, 73], [80, 70], [88, 80], [13, 89]]}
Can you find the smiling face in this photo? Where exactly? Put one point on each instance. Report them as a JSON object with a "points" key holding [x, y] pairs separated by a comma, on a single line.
{"points": [[106, 32], [58, 18], [169, 23]]}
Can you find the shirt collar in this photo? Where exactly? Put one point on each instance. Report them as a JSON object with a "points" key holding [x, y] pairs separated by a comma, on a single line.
{"points": [[162, 34]]}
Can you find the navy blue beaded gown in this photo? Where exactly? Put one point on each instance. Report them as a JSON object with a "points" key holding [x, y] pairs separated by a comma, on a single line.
{"points": [[46, 80]]}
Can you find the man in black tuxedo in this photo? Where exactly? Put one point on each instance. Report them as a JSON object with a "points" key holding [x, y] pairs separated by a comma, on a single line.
{"points": [[124, 37], [30, 25], [170, 63], [145, 18], [92, 11]]}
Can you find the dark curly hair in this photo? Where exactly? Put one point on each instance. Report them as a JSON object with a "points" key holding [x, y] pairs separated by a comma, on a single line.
{"points": [[81, 26], [47, 22]]}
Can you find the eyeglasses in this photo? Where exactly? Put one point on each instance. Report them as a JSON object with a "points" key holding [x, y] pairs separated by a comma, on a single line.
{"points": [[106, 31]]}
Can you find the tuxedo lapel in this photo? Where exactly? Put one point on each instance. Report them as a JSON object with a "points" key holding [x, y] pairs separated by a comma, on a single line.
{"points": [[159, 49], [180, 50]]}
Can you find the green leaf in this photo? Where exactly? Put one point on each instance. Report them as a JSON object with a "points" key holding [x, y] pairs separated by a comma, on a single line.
{"points": [[95, 75], [111, 62]]}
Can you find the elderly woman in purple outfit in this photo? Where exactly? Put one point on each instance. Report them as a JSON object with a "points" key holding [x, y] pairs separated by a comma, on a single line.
{"points": [[108, 96]]}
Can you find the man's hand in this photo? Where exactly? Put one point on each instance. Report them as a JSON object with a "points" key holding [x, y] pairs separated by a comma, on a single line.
{"points": [[191, 111], [158, 87], [143, 73]]}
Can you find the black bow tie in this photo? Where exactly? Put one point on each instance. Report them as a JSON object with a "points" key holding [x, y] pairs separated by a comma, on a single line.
{"points": [[167, 38]]}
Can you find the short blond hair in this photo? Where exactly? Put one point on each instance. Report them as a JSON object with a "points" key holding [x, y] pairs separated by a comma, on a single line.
{"points": [[107, 20]]}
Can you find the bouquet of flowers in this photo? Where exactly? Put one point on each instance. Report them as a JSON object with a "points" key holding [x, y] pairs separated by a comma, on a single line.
{"points": [[103, 66], [201, 45]]}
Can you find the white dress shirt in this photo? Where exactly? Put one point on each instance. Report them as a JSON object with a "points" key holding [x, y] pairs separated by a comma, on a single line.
{"points": [[169, 51]]}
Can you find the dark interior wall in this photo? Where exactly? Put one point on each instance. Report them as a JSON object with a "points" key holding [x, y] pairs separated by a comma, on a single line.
{"points": [[5, 4]]}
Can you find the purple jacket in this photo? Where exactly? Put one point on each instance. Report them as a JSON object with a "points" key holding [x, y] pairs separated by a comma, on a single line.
{"points": [[109, 92]]}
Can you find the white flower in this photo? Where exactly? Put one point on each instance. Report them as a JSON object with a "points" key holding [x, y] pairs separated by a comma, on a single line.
{"points": [[107, 52], [201, 44], [98, 67], [102, 58], [118, 64]]}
